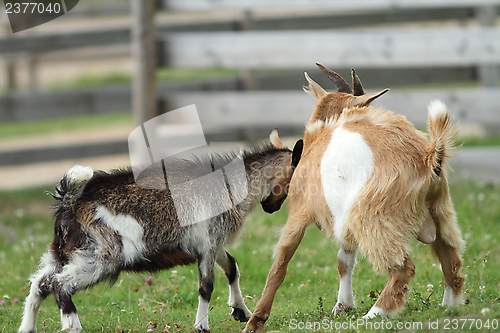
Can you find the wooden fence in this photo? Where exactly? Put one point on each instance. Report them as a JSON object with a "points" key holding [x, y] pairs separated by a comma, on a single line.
{"points": [[314, 14], [370, 48], [340, 5], [471, 44]]}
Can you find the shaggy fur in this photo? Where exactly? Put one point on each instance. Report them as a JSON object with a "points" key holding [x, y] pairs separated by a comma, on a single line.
{"points": [[404, 197], [106, 223]]}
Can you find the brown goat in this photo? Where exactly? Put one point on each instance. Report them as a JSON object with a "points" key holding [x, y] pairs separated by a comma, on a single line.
{"points": [[372, 181]]}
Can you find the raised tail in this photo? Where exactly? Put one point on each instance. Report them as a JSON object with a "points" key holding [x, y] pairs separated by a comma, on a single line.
{"points": [[442, 133], [71, 186], [68, 233], [449, 243]]}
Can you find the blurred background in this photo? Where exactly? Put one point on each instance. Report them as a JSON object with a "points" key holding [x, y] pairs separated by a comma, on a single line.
{"points": [[73, 89]]}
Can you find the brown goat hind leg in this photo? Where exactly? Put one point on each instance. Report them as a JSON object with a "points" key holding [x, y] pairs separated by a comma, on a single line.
{"points": [[290, 239], [393, 297], [451, 264]]}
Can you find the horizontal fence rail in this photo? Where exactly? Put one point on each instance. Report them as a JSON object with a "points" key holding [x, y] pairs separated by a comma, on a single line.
{"points": [[184, 5], [367, 48], [249, 108], [119, 7], [312, 20], [277, 108]]}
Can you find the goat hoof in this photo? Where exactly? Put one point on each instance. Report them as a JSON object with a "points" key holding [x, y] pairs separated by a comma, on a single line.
{"points": [[239, 315], [341, 307], [375, 311], [255, 324], [203, 330]]}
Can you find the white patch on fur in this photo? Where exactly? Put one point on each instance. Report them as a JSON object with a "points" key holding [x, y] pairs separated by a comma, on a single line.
{"points": [[34, 300], [235, 297], [345, 168], [83, 270], [437, 109], [374, 311], [202, 314], [80, 174], [31, 307], [30, 314], [345, 297], [315, 126], [449, 298], [70, 323], [129, 229], [197, 236]]}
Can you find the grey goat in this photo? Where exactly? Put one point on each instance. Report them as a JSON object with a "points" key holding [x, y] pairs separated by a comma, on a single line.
{"points": [[106, 223]]}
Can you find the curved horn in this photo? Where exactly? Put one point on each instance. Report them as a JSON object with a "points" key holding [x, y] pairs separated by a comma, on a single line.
{"points": [[339, 82], [356, 84]]}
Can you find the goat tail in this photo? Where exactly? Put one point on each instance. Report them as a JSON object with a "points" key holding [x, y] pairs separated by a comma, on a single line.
{"points": [[71, 186], [68, 233], [442, 133]]}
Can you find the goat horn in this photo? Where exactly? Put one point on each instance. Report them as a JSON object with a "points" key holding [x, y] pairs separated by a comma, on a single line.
{"points": [[339, 82], [356, 84]]}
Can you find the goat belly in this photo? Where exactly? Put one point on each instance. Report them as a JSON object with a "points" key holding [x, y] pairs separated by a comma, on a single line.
{"points": [[163, 260], [346, 166]]}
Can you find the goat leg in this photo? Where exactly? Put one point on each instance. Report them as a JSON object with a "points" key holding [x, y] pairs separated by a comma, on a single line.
{"points": [[393, 297], [228, 264], [206, 264], [346, 260], [290, 239]]}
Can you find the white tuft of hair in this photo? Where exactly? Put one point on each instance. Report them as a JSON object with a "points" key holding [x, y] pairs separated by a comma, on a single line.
{"points": [[79, 174], [315, 126], [437, 109]]}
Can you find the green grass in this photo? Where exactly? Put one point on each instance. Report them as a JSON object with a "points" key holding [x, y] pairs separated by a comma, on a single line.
{"points": [[307, 295], [163, 74], [67, 124], [488, 141]]}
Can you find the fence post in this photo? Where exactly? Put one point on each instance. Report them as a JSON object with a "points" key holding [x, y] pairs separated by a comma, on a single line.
{"points": [[9, 62], [489, 75], [10, 73], [31, 66], [247, 75], [144, 88]]}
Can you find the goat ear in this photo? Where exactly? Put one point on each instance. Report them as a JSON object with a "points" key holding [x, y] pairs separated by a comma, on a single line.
{"points": [[275, 139], [313, 89], [297, 152], [366, 99]]}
